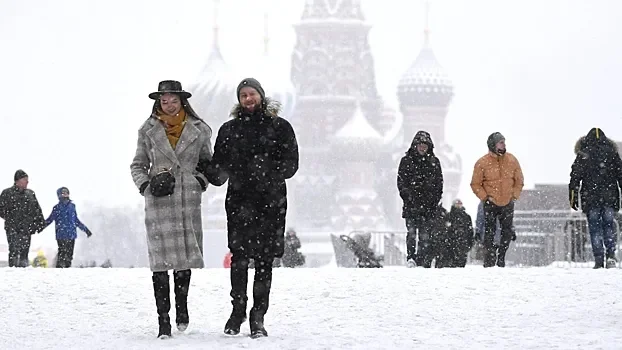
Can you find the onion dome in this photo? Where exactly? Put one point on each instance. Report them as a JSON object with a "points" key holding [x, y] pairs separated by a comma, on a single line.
{"points": [[214, 90], [425, 82], [356, 139]]}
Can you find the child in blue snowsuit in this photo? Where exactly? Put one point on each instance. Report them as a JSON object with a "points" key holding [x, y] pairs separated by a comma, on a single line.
{"points": [[64, 213]]}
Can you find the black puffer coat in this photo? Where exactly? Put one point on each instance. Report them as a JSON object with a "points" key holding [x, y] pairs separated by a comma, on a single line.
{"points": [[596, 172], [256, 153], [420, 179]]}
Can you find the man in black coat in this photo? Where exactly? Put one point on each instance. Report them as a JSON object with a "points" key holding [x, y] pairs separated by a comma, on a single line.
{"points": [[256, 151], [22, 216], [596, 178], [420, 183]]}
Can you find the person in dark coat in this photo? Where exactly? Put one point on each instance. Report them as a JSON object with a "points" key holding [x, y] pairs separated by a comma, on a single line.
{"points": [[460, 236], [292, 257], [256, 151], [420, 184], [66, 218], [22, 216], [595, 180]]}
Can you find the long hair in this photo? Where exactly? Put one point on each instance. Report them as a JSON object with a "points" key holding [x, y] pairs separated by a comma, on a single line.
{"points": [[185, 104]]}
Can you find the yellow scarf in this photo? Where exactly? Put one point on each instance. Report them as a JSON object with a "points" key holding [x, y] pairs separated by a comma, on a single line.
{"points": [[174, 125]]}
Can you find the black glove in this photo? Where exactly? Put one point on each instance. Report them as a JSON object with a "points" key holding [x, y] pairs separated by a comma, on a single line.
{"points": [[478, 236], [143, 187], [212, 173], [163, 184], [202, 183], [574, 199], [513, 237], [89, 233]]}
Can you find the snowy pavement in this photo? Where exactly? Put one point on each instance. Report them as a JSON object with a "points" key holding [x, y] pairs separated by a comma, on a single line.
{"points": [[327, 308]]}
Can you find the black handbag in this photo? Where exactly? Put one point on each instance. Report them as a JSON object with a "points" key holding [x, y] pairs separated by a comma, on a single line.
{"points": [[162, 184]]}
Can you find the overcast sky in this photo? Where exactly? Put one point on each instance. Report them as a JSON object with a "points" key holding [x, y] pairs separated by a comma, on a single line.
{"points": [[75, 77]]}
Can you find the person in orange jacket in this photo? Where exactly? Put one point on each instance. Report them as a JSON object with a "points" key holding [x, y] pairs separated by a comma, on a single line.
{"points": [[498, 182]]}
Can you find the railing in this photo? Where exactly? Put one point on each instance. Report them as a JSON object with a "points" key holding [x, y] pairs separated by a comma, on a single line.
{"points": [[544, 238], [558, 238]]}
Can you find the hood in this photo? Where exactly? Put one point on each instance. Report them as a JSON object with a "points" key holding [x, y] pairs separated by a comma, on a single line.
{"points": [[271, 107], [594, 137], [59, 191], [421, 137]]}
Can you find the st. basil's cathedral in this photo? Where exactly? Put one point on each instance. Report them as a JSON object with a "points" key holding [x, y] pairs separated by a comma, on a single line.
{"points": [[350, 139]]}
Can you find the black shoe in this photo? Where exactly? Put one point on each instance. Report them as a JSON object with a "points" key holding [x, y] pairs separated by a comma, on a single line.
{"points": [[257, 327], [232, 327], [165, 327]]}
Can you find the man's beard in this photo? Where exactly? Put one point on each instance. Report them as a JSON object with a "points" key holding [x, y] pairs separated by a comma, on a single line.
{"points": [[254, 108]]}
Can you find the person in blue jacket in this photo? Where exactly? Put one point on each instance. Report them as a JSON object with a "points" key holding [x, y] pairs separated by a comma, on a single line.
{"points": [[66, 218]]}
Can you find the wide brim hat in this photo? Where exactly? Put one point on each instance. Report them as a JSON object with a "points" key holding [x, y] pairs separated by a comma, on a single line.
{"points": [[169, 87]]}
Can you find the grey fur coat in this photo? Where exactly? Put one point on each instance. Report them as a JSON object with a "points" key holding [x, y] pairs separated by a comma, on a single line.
{"points": [[173, 223]]}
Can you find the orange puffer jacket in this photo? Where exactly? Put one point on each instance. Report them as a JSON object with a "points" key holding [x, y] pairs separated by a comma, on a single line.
{"points": [[498, 178]]}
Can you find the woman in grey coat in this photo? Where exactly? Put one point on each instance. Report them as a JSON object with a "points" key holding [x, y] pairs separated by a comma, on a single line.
{"points": [[170, 145]]}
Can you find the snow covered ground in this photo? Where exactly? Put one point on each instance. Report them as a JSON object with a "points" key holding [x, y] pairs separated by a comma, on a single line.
{"points": [[326, 308]]}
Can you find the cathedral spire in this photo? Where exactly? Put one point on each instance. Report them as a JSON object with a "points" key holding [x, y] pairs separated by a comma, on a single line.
{"points": [[266, 35], [215, 25], [426, 29]]}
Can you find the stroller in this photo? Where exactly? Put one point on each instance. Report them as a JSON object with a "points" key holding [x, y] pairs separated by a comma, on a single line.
{"points": [[359, 245]]}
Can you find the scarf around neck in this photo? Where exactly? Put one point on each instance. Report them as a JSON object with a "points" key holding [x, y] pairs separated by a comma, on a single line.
{"points": [[173, 124]]}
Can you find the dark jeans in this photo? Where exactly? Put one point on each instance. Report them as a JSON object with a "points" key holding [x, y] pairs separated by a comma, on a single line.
{"points": [[19, 245], [602, 232], [505, 215], [65, 253], [419, 231]]}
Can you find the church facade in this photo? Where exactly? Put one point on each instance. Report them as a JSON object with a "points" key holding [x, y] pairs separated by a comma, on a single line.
{"points": [[350, 140]]}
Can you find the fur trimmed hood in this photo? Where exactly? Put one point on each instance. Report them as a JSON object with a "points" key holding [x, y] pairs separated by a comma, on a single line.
{"points": [[271, 107], [595, 136]]}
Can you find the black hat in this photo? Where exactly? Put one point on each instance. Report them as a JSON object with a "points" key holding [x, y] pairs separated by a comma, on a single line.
{"points": [[169, 87], [20, 174], [251, 82], [493, 139]]}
